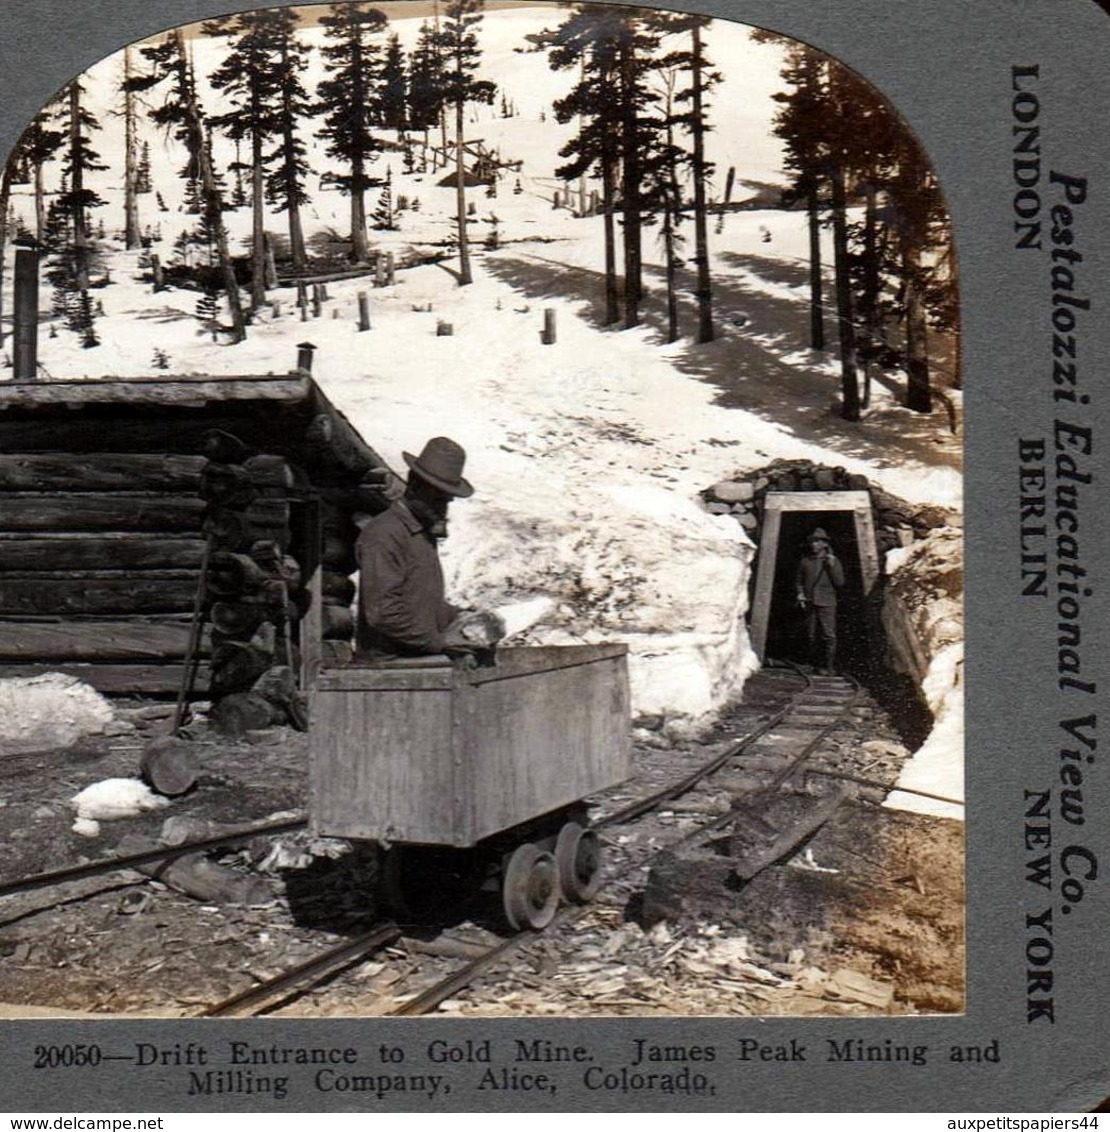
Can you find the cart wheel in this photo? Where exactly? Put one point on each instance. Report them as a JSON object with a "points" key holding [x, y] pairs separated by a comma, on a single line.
{"points": [[530, 888], [578, 852]]}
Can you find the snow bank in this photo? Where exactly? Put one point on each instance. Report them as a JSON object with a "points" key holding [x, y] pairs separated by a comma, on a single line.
{"points": [[110, 800], [50, 711], [927, 580]]}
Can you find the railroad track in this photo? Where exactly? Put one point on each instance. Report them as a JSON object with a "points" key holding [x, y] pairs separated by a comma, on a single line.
{"points": [[778, 751], [779, 747]]}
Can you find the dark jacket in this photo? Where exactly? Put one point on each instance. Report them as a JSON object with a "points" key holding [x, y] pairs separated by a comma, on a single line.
{"points": [[818, 579], [401, 606]]}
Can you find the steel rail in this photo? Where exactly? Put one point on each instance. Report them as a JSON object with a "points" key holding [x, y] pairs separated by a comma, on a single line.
{"points": [[133, 860], [316, 969], [668, 793], [432, 996]]}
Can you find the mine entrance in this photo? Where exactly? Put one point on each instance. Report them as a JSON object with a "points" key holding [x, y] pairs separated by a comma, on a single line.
{"points": [[777, 624]]}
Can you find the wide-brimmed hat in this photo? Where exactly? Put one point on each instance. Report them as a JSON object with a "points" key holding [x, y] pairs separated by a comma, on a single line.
{"points": [[817, 535], [441, 464]]}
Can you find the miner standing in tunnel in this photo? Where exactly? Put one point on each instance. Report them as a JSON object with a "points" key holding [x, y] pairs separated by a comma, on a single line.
{"points": [[819, 577]]}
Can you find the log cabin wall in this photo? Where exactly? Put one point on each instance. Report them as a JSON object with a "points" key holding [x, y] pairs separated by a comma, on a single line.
{"points": [[115, 494]]}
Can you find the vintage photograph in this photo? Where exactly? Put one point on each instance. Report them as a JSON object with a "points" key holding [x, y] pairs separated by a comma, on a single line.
{"points": [[481, 527]]}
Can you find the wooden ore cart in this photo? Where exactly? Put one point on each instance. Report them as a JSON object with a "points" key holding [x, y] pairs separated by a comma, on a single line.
{"points": [[459, 773]]}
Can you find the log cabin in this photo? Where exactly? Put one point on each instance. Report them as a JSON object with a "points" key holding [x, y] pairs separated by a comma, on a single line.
{"points": [[147, 523]]}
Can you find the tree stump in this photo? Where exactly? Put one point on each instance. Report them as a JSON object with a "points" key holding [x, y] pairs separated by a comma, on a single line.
{"points": [[169, 765]]}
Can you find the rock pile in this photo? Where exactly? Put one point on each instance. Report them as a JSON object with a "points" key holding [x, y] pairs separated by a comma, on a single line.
{"points": [[897, 523]]}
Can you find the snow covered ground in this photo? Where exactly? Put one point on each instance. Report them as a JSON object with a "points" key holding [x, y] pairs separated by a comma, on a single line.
{"points": [[587, 455]]}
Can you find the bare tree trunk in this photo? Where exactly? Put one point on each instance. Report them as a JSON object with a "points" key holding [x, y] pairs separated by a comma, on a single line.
{"points": [[258, 232], [630, 186], [360, 249], [701, 237], [131, 238], [40, 203], [5, 198], [296, 232], [918, 388], [816, 297], [460, 195], [850, 409], [608, 198], [870, 290], [77, 187]]}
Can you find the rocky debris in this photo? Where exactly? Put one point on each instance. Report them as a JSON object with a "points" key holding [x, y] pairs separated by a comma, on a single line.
{"points": [[897, 523]]}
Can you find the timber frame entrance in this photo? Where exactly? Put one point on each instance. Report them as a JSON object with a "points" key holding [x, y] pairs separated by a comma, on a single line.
{"points": [[857, 503]]}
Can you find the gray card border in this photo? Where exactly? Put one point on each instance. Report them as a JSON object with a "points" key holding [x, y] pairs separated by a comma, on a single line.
{"points": [[947, 65]]}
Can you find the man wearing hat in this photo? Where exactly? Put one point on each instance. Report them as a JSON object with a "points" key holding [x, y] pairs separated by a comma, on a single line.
{"points": [[402, 610], [819, 577]]}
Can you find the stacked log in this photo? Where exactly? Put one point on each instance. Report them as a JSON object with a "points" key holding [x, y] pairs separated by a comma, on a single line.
{"points": [[254, 586], [103, 535], [110, 542], [897, 523]]}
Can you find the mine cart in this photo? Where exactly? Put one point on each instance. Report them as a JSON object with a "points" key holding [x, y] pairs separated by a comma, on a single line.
{"points": [[459, 771]]}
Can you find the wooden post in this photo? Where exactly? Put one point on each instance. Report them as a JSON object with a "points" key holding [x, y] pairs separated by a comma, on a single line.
{"points": [[275, 309], [317, 302], [379, 270], [305, 351], [302, 299], [389, 269], [548, 335], [363, 311], [156, 271], [26, 315], [310, 629], [557, 199], [444, 329]]}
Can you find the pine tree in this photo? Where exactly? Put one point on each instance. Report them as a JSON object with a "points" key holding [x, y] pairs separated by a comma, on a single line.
{"points": [[207, 311], [589, 40], [667, 163], [458, 44], [78, 160], [143, 182], [247, 80], [384, 219], [347, 98], [130, 157], [181, 109], [286, 183], [425, 102], [37, 145], [393, 87]]}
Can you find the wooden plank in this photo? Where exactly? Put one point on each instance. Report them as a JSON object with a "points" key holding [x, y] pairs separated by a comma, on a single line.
{"points": [[98, 639], [310, 629], [355, 679], [381, 767], [129, 593], [765, 579], [115, 511], [512, 663], [100, 471], [99, 552], [118, 679], [545, 739], [174, 390], [453, 763]]}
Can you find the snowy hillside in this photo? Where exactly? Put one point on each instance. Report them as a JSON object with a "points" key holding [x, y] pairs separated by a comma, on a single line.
{"points": [[587, 455]]}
